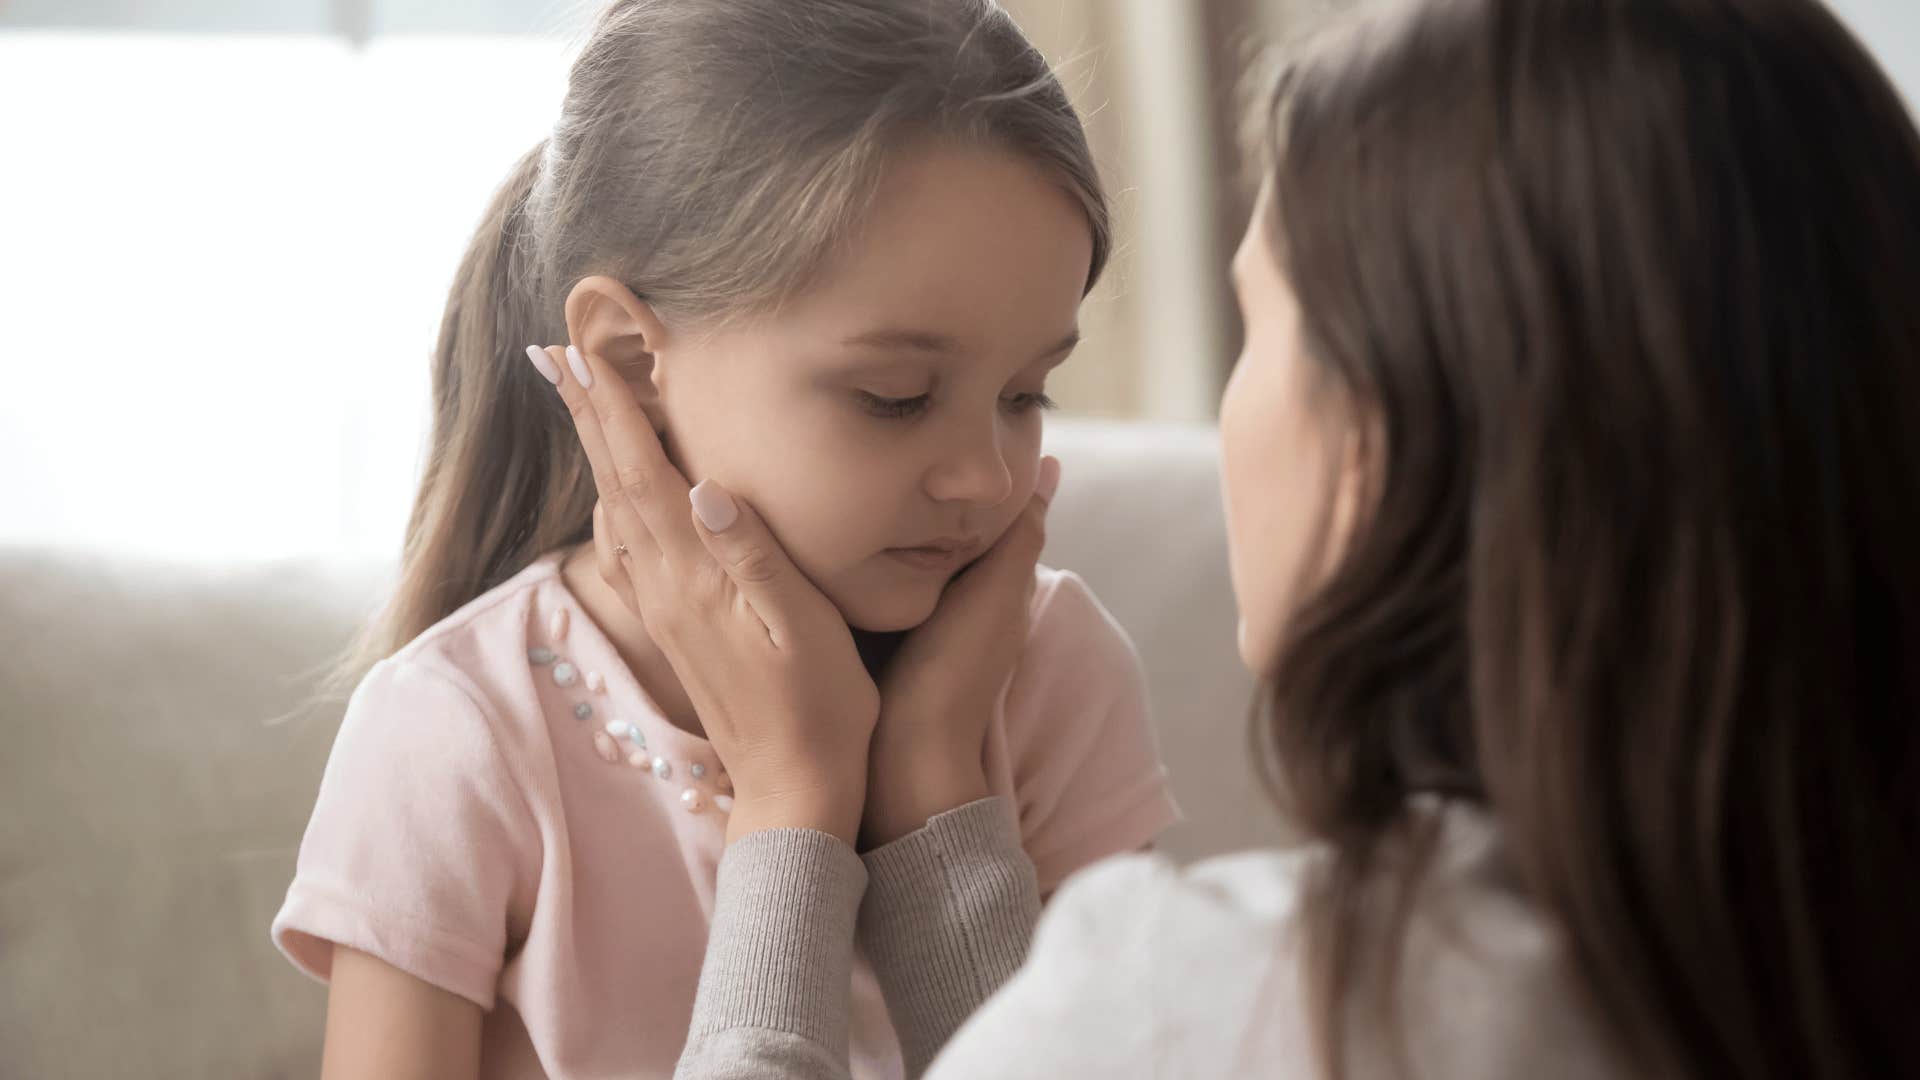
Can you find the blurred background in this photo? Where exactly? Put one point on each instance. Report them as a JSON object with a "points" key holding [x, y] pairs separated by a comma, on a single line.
{"points": [[230, 225]]}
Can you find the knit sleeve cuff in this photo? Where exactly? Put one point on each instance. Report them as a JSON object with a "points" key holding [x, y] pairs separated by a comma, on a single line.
{"points": [[780, 948], [949, 913]]}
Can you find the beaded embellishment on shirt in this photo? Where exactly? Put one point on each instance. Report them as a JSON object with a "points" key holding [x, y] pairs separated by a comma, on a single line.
{"points": [[621, 741]]}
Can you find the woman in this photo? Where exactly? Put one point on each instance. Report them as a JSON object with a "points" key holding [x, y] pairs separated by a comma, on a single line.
{"points": [[1571, 469]]}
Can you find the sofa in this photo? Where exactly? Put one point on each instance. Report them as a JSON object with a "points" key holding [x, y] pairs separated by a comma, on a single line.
{"points": [[162, 754]]}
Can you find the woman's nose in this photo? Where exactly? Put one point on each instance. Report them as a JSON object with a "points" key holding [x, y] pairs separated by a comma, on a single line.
{"points": [[974, 470]]}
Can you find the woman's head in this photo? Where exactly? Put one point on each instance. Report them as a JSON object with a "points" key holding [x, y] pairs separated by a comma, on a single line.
{"points": [[733, 190], [1584, 331]]}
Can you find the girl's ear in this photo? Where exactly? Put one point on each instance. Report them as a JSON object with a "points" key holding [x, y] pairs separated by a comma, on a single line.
{"points": [[605, 319]]}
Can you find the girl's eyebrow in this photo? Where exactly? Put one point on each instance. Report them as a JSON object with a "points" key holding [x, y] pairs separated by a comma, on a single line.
{"points": [[926, 342], [897, 340]]}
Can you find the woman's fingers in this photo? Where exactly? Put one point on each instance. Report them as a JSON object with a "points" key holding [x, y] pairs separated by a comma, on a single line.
{"points": [[619, 518], [630, 467], [607, 557], [754, 561]]}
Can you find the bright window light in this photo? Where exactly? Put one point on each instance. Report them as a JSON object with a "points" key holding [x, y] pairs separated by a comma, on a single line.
{"points": [[221, 273]]}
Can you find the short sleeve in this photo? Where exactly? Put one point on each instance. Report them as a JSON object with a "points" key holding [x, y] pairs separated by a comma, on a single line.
{"points": [[1087, 771], [419, 841]]}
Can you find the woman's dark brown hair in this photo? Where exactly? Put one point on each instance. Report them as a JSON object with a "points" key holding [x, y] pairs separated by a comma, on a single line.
{"points": [[1630, 292]]}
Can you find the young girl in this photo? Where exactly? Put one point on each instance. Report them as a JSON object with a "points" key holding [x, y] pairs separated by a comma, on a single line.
{"points": [[834, 249]]}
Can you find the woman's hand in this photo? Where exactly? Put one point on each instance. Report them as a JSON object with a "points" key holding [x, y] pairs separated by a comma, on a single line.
{"points": [[942, 686], [766, 659]]}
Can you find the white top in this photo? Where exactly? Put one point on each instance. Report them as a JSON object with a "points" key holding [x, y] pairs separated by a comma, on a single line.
{"points": [[1142, 969]]}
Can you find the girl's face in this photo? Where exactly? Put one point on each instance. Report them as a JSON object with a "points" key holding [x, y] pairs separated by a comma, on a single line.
{"points": [[1288, 499], [886, 423]]}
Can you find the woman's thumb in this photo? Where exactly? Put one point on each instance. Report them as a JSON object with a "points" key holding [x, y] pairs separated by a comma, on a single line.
{"points": [[1047, 484]]}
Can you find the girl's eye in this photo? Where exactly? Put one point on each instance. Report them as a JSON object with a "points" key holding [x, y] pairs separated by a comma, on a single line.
{"points": [[892, 408], [1020, 403], [901, 408]]}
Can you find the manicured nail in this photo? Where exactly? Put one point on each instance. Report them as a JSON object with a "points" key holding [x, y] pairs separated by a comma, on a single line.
{"points": [[716, 508], [579, 365], [544, 362], [1049, 481]]}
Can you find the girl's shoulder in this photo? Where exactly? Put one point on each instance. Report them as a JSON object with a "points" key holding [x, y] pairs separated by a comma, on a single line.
{"points": [[1069, 630], [484, 658], [1080, 754], [496, 619], [424, 845]]}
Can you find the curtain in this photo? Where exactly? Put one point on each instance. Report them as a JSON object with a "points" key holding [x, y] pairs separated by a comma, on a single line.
{"points": [[1160, 85]]}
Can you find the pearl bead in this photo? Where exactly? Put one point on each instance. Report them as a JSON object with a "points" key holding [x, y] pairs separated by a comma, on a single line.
{"points": [[662, 768], [724, 803], [582, 711], [698, 770], [595, 683], [541, 655], [693, 800], [607, 748], [565, 674], [557, 626]]}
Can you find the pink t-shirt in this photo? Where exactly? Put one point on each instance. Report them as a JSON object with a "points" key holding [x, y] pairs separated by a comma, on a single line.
{"points": [[507, 816]]}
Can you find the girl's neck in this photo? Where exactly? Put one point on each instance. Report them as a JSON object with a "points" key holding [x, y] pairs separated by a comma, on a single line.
{"points": [[630, 639]]}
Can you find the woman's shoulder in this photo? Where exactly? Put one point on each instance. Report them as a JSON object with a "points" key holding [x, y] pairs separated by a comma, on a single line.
{"points": [[1148, 896], [1142, 967], [1206, 963]]}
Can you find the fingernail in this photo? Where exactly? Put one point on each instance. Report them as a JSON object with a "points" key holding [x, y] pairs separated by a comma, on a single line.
{"points": [[579, 365], [716, 508], [1049, 481], [544, 363]]}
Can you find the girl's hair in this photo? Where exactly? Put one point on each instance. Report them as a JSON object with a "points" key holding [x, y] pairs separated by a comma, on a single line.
{"points": [[710, 155], [1621, 298]]}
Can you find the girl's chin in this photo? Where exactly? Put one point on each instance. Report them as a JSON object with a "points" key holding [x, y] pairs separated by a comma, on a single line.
{"points": [[889, 610]]}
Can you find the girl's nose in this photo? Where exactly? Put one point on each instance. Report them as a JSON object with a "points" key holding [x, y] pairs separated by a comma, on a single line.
{"points": [[974, 471]]}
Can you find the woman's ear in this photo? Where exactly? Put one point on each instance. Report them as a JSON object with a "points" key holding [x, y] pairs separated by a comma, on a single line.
{"points": [[605, 319]]}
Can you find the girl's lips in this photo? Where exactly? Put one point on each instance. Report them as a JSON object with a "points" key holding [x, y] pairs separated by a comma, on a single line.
{"points": [[932, 559]]}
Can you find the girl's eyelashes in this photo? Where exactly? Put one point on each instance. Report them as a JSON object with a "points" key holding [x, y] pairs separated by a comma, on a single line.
{"points": [[888, 408], [892, 408]]}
